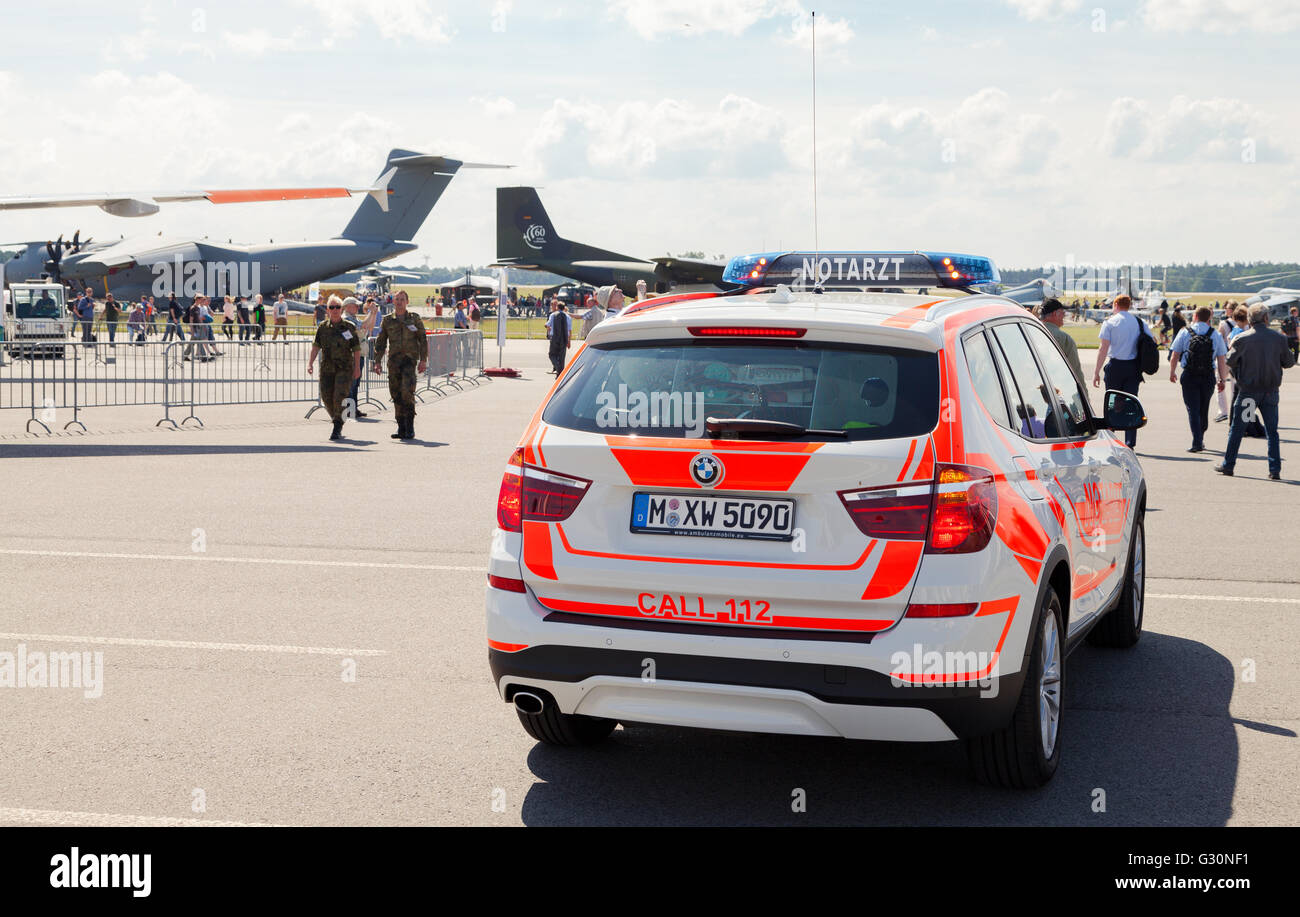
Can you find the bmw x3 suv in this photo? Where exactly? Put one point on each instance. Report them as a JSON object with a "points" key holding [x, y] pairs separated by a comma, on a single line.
{"points": [[797, 508]]}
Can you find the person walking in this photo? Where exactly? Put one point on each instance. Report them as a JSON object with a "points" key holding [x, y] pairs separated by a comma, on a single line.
{"points": [[1119, 341], [112, 314], [1291, 328], [1052, 312], [1165, 323], [403, 331], [340, 351], [1257, 358], [558, 331], [245, 324], [1199, 350], [86, 313], [280, 312], [175, 314], [364, 323], [228, 318], [259, 319], [150, 317], [135, 325]]}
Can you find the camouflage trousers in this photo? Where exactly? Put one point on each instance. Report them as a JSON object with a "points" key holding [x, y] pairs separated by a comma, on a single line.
{"points": [[401, 386], [335, 386]]}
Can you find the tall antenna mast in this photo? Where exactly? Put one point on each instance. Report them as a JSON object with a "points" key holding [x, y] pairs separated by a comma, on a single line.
{"points": [[817, 247]]}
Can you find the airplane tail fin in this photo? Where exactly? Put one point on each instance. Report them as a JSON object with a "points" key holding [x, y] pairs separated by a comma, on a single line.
{"points": [[526, 235], [403, 195]]}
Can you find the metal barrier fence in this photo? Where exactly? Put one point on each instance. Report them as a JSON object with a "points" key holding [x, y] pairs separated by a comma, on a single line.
{"points": [[44, 377]]}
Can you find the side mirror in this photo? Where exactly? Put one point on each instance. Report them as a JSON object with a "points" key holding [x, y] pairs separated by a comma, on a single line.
{"points": [[1123, 411]]}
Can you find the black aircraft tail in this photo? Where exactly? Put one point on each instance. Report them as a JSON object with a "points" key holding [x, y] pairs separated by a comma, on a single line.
{"points": [[526, 236], [403, 195]]}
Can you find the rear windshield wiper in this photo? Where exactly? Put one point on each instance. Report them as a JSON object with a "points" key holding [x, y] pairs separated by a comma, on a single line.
{"points": [[754, 426]]}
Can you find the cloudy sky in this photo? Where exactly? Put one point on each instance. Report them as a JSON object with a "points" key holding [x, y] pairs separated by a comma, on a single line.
{"points": [[1029, 130]]}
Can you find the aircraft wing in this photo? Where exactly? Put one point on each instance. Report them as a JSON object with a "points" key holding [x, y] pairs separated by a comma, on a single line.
{"points": [[687, 270], [141, 204]]}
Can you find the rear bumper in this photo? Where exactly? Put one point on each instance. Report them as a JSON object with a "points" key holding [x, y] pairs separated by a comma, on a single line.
{"points": [[758, 695]]}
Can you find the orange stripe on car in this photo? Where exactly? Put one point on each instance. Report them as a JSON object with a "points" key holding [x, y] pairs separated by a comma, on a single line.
{"points": [[909, 317], [507, 647], [537, 549], [898, 563], [925, 467], [907, 463], [661, 468]]}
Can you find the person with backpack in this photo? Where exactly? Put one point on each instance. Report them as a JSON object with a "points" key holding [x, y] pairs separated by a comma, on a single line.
{"points": [[1132, 351], [475, 314], [1199, 350]]}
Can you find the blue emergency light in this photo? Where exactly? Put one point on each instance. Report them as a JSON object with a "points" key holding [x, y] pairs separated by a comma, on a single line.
{"points": [[860, 270]]}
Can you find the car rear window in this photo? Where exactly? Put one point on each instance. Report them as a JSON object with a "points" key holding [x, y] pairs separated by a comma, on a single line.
{"points": [[669, 388]]}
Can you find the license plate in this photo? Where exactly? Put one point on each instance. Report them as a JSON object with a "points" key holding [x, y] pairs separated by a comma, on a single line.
{"points": [[713, 517]]}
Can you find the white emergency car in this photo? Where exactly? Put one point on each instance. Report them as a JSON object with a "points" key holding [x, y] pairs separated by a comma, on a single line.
{"points": [[802, 508]]}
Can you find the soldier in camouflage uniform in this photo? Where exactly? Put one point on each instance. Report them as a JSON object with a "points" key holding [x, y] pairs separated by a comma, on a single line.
{"points": [[405, 332], [340, 361]]}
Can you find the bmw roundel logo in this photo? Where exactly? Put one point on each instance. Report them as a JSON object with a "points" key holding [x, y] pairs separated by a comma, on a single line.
{"points": [[707, 470]]}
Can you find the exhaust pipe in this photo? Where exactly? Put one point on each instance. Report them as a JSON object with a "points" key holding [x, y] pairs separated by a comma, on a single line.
{"points": [[527, 703]]}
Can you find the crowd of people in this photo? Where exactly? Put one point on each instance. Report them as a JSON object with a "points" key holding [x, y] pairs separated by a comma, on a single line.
{"points": [[1241, 359], [243, 317]]}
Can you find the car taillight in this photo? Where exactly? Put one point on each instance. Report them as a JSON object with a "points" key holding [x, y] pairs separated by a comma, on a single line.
{"points": [[959, 610], [551, 497], [505, 583], [965, 510], [510, 498], [894, 513]]}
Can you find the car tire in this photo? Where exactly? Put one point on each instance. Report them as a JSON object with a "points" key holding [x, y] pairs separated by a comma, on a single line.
{"points": [[1121, 627], [566, 729], [1025, 753]]}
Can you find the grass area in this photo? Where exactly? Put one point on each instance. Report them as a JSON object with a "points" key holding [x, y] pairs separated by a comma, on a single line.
{"points": [[1085, 335]]}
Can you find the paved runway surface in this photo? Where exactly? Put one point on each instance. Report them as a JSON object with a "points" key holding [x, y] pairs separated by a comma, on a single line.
{"points": [[232, 576]]}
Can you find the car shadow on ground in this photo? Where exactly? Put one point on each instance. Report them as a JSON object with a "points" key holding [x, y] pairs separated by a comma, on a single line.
{"points": [[1148, 740]]}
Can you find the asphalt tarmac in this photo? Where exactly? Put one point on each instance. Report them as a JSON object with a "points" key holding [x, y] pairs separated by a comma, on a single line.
{"points": [[292, 633]]}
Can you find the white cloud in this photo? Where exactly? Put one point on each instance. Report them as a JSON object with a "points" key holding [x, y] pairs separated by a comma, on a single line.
{"points": [[1044, 9], [1208, 130], [395, 20], [651, 20], [984, 131], [1227, 16], [665, 138], [256, 42], [500, 107]]}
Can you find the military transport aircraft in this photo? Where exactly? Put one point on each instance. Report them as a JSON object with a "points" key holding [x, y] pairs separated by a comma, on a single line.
{"points": [[382, 228], [526, 239]]}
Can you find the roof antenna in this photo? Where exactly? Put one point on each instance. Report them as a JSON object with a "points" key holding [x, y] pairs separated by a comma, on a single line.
{"points": [[817, 247]]}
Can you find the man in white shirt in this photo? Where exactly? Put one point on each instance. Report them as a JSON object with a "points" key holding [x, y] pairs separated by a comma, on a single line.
{"points": [[1119, 341]]}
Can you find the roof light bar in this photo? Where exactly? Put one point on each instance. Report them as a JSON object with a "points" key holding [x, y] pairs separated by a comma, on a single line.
{"points": [[861, 269]]}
